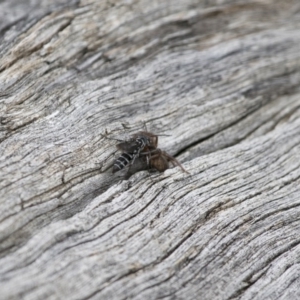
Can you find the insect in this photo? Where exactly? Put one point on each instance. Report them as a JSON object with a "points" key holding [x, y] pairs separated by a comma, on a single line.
{"points": [[141, 152], [133, 148]]}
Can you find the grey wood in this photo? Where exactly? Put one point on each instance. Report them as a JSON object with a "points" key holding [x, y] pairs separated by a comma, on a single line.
{"points": [[218, 81]]}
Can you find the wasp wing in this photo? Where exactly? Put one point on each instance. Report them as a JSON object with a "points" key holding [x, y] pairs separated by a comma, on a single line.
{"points": [[128, 147]]}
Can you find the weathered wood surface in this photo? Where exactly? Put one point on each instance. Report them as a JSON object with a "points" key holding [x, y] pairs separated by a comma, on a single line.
{"points": [[222, 78]]}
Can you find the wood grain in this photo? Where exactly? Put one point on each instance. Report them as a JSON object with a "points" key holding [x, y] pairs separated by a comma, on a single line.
{"points": [[218, 80]]}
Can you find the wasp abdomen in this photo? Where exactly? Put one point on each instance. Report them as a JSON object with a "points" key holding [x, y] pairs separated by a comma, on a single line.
{"points": [[123, 160]]}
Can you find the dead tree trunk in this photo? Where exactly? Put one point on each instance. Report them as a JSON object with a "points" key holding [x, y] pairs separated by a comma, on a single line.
{"points": [[221, 78]]}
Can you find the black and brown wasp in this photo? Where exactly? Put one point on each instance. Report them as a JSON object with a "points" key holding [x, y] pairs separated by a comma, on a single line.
{"points": [[142, 150], [133, 148]]}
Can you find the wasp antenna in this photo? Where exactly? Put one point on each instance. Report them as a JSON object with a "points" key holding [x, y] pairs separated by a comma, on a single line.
{"points": [[145, 125], [109, 138]]}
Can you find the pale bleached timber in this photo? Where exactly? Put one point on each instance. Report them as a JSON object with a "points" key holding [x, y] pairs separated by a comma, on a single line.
{"points": [[219, 80]]}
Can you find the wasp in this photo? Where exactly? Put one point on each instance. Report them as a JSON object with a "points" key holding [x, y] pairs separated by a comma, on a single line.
{"points": [[133, 148], [142, 149]]}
